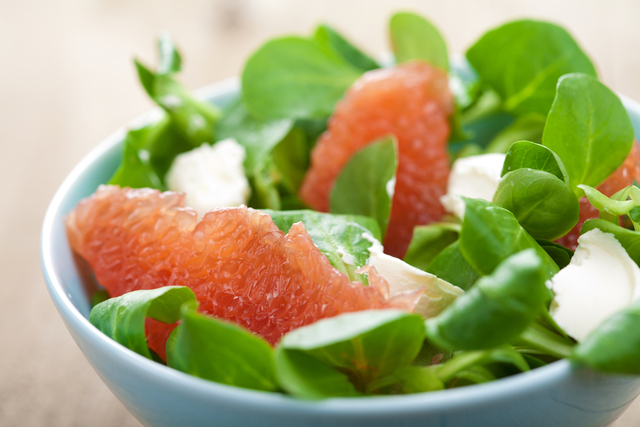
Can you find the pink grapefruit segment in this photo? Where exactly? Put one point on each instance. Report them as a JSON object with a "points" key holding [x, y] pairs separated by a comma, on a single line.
{"points": [[241, 267], [411, 101]]}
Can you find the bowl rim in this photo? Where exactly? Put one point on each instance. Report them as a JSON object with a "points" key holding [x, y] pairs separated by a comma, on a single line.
{"points": [[437, 400]]}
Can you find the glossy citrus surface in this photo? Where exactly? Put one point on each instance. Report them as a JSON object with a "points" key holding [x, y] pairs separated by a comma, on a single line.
{"points": [[241, 267], [411, 101]]}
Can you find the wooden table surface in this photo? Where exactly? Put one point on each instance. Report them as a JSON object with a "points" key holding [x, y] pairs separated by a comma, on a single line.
{"points": [[67, 81]]}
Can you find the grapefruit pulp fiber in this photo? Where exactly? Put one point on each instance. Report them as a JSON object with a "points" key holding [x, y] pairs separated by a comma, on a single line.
{"points": [[241, 267], [411, 101]]}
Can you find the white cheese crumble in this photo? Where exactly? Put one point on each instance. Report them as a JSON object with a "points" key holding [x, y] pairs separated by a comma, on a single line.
{"points": [[600, 280], [402, 277], [211, 176], [475, 177]]}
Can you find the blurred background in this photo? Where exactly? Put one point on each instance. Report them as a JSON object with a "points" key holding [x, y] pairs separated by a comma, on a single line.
{"points": [[67, 81]]}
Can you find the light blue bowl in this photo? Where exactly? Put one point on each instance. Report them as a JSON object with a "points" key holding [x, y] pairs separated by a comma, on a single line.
{"points": [[558, 395]]}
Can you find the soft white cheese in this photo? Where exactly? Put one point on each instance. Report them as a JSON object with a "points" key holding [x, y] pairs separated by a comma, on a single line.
{"points": [[600, 280], [402, 277], [475, 177], [211, 176]]}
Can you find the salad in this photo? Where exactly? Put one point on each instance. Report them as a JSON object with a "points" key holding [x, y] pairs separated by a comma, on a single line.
{"points": [[350, 228]]}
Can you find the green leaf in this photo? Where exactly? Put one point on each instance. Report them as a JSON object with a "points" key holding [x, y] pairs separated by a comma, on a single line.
{"points": [[451, 266], [526, 127], [538, 339], [604, 203], [164, 142], [415, 379], [589, 129], [258, 137], [523, 60], [170, 60], [490, 234], [543, 205], [413, 37], [123, 318], [529, 155], [634, 214], [264, 186], [428, 241], [313, 128], [481, 122], [411, 379], [291, 157], [339, 237], [630, 240], [366, 184], [474, 375], [364, 345], [306, 377], [222, 352], [136, 170], [496, 309], [615, 345], [462, 362], [99, 296], [293, 77], [331, 39], [194, 119], [561, 255]]}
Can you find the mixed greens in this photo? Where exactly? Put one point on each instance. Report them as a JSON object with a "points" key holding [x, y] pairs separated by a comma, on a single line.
{"points": [[525, 89]]}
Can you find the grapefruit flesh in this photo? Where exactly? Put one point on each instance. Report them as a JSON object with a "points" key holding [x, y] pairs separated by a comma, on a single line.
{"points": [[411, 101], [624, 176], [241, 267]]}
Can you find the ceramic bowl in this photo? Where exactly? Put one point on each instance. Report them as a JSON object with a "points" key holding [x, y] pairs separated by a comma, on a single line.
{"points": [[557, 395]]}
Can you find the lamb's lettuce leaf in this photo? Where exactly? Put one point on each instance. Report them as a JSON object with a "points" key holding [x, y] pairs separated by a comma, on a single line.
{"points": [[428, 241], [355, 347], [451, 265], [331, 39], [136, 169], [123, 318], [258, 137], [561, 255], [295, 77], [589, 129], [414, 37], [219, 351], [459, 365], [529, 155], [366, 184], [615, 345], [543, 204], [523, 60], [496, 309], [339, 237], [616, 205], [491, 234], [195, 119], [528, 127]]}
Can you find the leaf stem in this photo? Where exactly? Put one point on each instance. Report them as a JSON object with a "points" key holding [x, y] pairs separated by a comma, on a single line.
{"points": [[539, 338]]}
